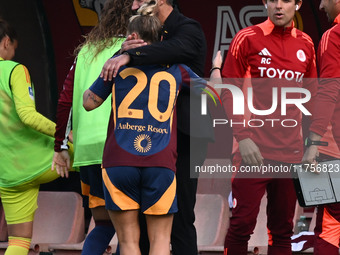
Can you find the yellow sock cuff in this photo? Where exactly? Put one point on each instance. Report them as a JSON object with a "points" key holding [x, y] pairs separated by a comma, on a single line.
{"points": [[19, 241]]}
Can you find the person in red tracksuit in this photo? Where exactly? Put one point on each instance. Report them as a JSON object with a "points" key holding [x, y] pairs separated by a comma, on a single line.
{"points": [[327, 111], [277, 55]]}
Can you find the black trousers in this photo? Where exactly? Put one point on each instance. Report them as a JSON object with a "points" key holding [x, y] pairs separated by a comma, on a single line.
{"points": [[184, 236]]}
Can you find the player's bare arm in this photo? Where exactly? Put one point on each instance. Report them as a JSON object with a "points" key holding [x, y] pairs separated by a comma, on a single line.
{"points": [[91, 101]]}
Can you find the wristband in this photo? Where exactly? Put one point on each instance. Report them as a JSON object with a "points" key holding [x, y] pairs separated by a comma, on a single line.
{"points": [[309, 142], [64, 147], [216, 67]]}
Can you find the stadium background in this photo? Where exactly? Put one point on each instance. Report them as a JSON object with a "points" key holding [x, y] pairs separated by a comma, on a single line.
{"points": [[49, 31]]}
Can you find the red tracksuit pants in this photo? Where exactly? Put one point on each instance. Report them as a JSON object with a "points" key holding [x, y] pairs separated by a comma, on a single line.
{"points": [[327, 230], [247, 194]]}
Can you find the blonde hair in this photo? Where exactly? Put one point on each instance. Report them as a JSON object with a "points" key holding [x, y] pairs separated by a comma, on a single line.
{"points": [[147, 9], [145, 24]]}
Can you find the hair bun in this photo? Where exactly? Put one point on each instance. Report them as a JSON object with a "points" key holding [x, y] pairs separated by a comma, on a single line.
{"points": [[147, 9]]}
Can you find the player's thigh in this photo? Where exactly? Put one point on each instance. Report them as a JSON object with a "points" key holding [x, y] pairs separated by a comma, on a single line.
{"points": [[92, 186], [20, 203], [126, 224], [158, 191], [122, 188], [159, 226]]}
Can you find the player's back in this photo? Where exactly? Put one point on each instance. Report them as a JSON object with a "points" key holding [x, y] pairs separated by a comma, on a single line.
{"points": [[143, 121]]}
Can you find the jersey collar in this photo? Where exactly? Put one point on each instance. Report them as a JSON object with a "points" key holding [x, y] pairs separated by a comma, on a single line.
{"points": [[268, 27]]}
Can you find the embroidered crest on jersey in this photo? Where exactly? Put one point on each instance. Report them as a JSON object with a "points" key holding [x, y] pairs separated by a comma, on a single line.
{"points": [[234, 203], [301, 55]]}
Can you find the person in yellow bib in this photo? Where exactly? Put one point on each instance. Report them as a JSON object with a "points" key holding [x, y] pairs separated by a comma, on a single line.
{"points": [[26, 142]]}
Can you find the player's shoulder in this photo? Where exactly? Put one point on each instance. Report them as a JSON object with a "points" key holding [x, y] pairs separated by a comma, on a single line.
{"points": [[245, 33], [188, 70], [330, 37], [20, 70], [244, 37], [300, 35], [11, 63], [331, 34]]}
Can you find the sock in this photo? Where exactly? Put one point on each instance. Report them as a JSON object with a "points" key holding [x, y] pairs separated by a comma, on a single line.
{"points": [[18, 245], [98, 240]]}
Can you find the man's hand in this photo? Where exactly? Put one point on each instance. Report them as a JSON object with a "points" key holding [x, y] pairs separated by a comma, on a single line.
{"points": [[310, 155], [61, 163], [131, 43], [312, 152], [111, 66], [250, 153]]}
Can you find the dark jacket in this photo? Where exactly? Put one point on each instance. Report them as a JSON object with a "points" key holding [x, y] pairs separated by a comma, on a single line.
{"points": [[183, 42]]}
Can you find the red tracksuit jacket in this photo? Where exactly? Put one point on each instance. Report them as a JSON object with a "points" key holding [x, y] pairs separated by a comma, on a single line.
{"points": [[281, 57], [327, 105]]}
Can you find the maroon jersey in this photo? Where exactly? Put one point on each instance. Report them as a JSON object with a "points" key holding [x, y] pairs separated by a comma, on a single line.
{"points": [[64, 112], [277, 57]]}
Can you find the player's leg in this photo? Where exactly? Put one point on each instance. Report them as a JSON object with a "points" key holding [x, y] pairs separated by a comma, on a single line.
{"points": [[122, 199], [144, 240], [20, 204], [159, 232], [127, 227], [247, 194], [159, 203], [280, 212], [93, 197], [327, 230]]}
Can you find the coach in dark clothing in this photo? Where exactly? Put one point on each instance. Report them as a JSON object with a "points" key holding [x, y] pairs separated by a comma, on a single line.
{"points": [[183, 42]]}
